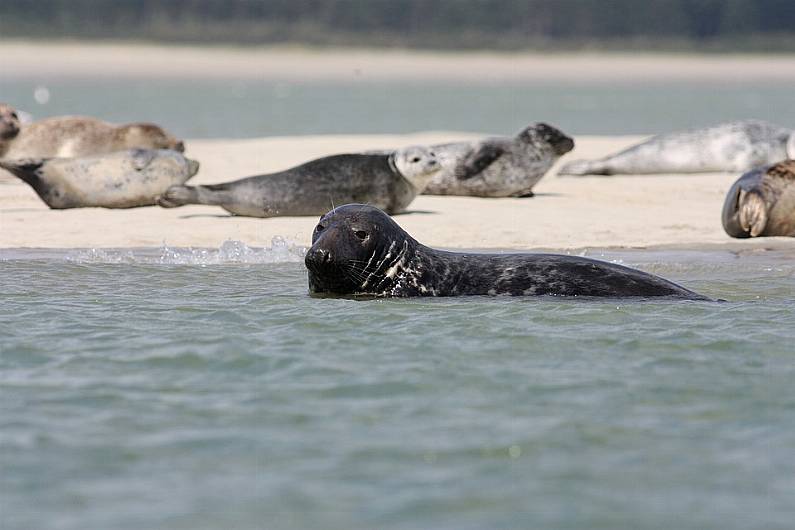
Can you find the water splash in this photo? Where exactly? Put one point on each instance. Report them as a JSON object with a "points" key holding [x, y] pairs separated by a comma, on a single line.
{"points": [[231, 251]]}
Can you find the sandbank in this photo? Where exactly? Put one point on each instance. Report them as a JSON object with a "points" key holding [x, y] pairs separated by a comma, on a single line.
{"points": [[567, 213]]}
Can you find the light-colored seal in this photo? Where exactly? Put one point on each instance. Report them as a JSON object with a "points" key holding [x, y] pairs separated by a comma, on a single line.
{"points": [[388, 181], [76, 136], [358, 250], [500, 166], [730, 147], [9, 127], [762, 203], [123, 179]]}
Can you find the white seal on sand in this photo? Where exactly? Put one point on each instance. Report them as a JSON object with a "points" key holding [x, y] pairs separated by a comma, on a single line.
{"points": [[76, 136], [123, 179], [730, 147], [500, 166]]}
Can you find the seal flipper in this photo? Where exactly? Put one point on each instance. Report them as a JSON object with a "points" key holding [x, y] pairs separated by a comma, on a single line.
{"points": [[216, 195], [752, 212], [477, 161], [25, 168], [579, 168]]}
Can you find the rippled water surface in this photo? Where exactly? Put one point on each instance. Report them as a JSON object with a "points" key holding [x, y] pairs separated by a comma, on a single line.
{"points": [[170, 388]]}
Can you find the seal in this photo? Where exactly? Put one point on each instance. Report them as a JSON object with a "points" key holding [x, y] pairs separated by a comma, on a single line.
{"points": [[359, 250], [77, 136], [124, 179], [499, 166], [9, 127], [388, 181], [729, 147], [762, 203]]}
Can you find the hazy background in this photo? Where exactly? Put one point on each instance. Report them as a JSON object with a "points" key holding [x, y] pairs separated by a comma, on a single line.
{"points": [[729, 25]]}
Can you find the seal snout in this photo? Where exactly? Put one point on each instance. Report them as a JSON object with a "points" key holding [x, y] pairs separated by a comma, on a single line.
{"points": [[318, 256]]}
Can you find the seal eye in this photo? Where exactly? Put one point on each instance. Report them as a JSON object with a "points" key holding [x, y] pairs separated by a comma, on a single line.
{"points": [[361, 234], [14, 115], [319, 228], [415, 159]]}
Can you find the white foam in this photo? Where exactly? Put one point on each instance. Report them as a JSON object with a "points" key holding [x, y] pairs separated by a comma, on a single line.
{"points": [[231, 251]]}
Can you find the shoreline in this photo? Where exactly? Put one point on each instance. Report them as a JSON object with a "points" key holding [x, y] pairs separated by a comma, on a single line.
{"points": [[567, 214], [67, 59]]}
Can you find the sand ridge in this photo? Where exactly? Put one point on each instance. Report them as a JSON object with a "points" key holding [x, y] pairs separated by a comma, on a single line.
{"points": [[567, 213]]}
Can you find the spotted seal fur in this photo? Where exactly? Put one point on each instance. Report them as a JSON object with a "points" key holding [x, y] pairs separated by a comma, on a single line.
{"points": [[359, 250]]}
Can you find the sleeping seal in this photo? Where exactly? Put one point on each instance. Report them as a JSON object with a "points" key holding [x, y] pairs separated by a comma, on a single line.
{"points": [[731, 147], [762, 203], [358, 249], [76, 136], [9, 127], [123, 179], [501, 166], [388, 181]]}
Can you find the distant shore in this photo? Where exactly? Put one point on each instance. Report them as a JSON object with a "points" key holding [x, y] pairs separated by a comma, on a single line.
{"points": [[680, 211], [43, 60]]}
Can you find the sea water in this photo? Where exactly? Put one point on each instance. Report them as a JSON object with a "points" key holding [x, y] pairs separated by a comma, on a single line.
{"points": [[204, 388], [239, 108]]}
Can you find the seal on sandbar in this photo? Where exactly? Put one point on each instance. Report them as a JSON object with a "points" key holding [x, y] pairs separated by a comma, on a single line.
{"points": [[77, 136], [762, 203], [9, 127], [388, 181], [730, 147], [499, 166], [124, 179], [359, 250]]}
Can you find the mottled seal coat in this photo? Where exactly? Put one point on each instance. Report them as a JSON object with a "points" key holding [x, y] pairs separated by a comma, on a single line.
{"points": [[730, 147], [500, 166], [123, 179], [9, 127], [389, 181], [762, 203], [357, 249], [76, 136]]}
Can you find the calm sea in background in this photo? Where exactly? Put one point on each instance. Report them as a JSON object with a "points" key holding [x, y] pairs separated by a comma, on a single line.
{"points": [[203, 388], [175, 388], [240, 108]]}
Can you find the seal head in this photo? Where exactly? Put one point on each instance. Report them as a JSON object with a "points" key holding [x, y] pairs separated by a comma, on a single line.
{"points": [[542, 134], [418, 164], [9, 122]]}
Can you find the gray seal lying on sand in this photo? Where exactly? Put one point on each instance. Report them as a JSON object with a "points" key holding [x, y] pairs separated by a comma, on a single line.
{"points": [[730, 147], [124, 179], [76, 136], [762, 203], [359, 250], [499, 166], [9, 127], [388, 181]]}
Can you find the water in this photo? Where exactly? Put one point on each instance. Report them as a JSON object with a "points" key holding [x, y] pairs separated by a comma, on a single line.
{"points": [[251, 108], [177, 388]]}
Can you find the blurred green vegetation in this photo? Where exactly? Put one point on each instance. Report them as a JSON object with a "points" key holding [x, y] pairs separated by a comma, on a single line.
{"points": [[698, 25]]}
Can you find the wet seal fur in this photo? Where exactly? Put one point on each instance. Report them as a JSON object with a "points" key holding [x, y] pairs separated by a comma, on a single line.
{"points": [[499, 166], [77, 136], [124, 179], [762, 203], [388, 181], [9, 127], [359, 250], [730, 147]]}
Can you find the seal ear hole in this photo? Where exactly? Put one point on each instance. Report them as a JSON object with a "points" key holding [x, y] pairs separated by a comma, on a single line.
{"points": [[361, 234]]}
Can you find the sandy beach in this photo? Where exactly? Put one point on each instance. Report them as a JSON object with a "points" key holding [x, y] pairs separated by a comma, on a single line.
{"points": [[567, 213]]}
